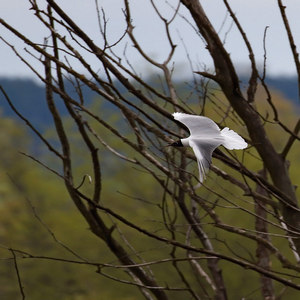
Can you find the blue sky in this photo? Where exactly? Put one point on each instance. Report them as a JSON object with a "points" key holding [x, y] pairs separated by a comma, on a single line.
{"points": [[254, 16]]}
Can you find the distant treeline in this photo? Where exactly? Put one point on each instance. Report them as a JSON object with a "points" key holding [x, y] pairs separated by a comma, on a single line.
{"points": [[29, 97]]}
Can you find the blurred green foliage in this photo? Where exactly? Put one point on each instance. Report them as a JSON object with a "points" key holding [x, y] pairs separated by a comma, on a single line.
{"points": [[38, 217]]}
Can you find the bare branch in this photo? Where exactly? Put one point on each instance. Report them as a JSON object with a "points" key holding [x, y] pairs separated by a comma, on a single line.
{"points": [[262, 252], [131, 118], [18, 274], [254, 73], [28, 123], [291, 41]]}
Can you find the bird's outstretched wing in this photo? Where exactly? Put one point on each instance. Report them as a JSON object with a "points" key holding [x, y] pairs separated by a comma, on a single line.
{"points": [[203, 152], [198, 126]]}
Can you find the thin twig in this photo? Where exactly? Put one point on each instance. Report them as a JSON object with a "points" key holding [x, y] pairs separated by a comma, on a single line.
{"points": [[21, 288]]}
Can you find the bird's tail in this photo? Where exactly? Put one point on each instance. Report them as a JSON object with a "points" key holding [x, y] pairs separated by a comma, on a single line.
{"points": [[232, 140]]}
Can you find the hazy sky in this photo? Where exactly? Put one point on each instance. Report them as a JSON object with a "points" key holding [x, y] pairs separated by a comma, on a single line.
{"points": [[254, 16]]}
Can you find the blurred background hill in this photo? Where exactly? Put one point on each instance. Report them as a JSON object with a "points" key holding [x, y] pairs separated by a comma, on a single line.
{"points": [[29, 96]]}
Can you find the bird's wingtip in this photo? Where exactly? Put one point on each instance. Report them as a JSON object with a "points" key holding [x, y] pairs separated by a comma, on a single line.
{"points": [[176, 114]]}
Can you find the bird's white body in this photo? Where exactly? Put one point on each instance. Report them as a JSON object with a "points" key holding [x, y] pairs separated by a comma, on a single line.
{"points": [[205, 137]]}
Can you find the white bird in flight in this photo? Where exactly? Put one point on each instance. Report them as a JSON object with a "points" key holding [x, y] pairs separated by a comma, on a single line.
{"points": [[205, 137]]}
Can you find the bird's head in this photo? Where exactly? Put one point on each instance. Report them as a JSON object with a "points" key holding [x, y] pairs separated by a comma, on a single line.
{"points": [[176, 144]]}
